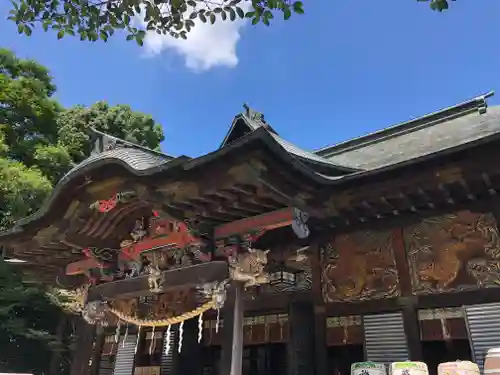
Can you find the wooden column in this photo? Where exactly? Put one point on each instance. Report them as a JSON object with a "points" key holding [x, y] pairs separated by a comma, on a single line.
{"points": [[55, 361], [320, 348], [408, 302], [301, 355], [232, 332], [83, 350], [190, 356], [412, 328], [96, 356]]}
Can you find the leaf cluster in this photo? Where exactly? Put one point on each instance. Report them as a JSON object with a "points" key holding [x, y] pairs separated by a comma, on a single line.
{"points": [[96, 20]]}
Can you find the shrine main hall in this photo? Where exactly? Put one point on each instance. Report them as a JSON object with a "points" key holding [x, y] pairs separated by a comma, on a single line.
{"points": [[264, 258]]}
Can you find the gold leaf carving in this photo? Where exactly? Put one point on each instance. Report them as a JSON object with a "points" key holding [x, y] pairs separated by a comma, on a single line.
{"points": [[453, 252], [359, 266]]}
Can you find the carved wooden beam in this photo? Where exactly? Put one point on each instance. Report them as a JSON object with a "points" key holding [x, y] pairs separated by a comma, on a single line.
{"points": [[139, 286], [82, 266], [264, 222]]}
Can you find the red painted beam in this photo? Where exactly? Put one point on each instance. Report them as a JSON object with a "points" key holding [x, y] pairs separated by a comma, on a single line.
{"points": [[268, 221]]}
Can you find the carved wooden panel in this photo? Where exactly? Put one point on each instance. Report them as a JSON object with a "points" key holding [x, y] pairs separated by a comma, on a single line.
{"points": [[454, 252], [359, 266]]}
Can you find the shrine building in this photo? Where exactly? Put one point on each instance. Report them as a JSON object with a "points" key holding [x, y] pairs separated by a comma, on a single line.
{"points": [[263, 258]]}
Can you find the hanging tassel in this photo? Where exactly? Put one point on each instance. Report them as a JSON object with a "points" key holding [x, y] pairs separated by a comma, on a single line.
{"points": [[217, 322], [125, 336], [200, 327], [151, 345], [138, 338], [167, 338], [181, 333]]}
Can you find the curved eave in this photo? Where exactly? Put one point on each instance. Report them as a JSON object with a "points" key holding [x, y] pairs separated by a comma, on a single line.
{"points": [[69, 182], [259, 138]]}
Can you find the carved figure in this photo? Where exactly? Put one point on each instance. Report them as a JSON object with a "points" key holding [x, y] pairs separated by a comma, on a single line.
{"points": [[138, 233], [359, 266], [95, 312], [249, 267], [155, 280], [299, 255], [130, 268]]}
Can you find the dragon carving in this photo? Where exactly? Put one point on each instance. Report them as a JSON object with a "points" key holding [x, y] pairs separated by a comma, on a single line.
{"points": [[248, 267]]}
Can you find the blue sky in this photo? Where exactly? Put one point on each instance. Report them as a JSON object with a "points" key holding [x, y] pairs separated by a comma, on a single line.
{"points": [[342, 69]]}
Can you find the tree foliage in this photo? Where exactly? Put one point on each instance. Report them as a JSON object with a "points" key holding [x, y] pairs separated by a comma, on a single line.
{"points": [[99, 19], [120, 121], [28, 321], [40, 141]]}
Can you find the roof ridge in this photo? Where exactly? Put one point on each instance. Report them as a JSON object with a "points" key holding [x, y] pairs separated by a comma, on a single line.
{"points": [[251, 118], [477, 103], [120, 141]]}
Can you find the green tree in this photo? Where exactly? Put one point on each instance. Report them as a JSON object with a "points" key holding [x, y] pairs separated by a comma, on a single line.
{"points": [[28, 319], [120, 121], [39, 142], [97, 19], [27, 111], [27, 125]]}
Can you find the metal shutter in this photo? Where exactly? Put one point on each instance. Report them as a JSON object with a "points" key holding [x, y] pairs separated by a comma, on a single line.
{"points": [[483, 326], [124, 364], [385, 339], [106, 365]]}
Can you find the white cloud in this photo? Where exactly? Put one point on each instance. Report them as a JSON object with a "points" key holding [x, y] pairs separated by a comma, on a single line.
{"points": [[207, 46]]}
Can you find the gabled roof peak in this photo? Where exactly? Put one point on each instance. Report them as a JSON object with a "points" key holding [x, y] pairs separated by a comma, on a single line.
{"points": [[255, 119]]}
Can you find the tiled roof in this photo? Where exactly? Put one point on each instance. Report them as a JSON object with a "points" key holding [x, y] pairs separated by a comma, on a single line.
{"points": [[134, 158], [306, 155], [423, 136]]}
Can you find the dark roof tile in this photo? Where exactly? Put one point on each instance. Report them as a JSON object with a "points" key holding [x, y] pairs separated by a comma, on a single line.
{"points": [[446, 129]]}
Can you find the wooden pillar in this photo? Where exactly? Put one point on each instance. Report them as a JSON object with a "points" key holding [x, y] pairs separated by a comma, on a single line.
{"points": [[83, 350], [320, 348], [96, 356], [190, 355], [408, 302], [55, 361], [232, 332], [301, 355], [412, 328]]}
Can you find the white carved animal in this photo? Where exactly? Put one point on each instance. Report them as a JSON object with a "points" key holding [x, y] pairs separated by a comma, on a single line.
{"points": [[249, 267], [154, 280]]}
